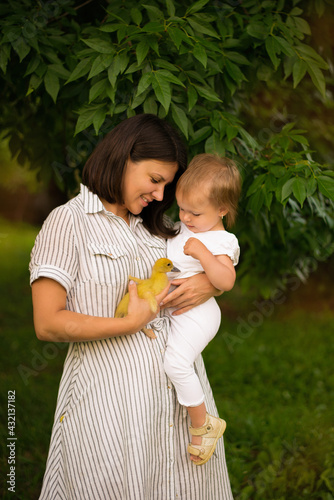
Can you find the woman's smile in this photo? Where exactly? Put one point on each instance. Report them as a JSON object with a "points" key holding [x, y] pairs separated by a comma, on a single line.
{"points": [[145, 182]]}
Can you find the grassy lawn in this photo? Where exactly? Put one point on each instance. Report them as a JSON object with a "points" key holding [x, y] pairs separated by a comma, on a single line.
{"points": [[271, 369]]}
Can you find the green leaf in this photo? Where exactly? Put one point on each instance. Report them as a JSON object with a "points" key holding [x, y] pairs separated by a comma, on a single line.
{"points": [[231, 132], [248, 139], [150, 106], [178, 36], [98, 119], [34, 83], [4, 56], [97, 89], [101, 62], [86, 117], [117, 66], [256, 201], [311, 186], [277, 170], [235, 72], [161, 63], [141, 51], [170, 77], [272, 49], [200, 54], [153, 27], [139, 99], [311, 56], [133, 68], [136, 15], [285, 46], [208, 94], [256, 184], [214, 145], [202, 27], [144, 83], [110, 28], [299, 190], [287, 188], [302, 25], [21, 48], [51, 83], [170, 8], [162, 90], [180, 118], [317, 77], [296, 11], [326, 186], [299, 138], [80, 70], [100, 45], [200, 135], [33, 64], [298, 72], [236, 57], [257, 30], [60, 71], [123, 61], [154, 12], [192, 97], [195, 7], [268, 196]]}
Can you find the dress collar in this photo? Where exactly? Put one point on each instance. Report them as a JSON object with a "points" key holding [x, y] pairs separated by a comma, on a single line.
{"points": [[91, 202], [92, 205]]}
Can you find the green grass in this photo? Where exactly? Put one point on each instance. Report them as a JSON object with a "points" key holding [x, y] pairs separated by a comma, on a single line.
{"points": [[272, 378]]}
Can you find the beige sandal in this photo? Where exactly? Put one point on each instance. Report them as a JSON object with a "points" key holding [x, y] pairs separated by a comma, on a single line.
{"points": [[211, 431]]}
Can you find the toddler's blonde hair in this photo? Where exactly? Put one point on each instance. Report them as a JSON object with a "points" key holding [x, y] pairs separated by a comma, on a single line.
{"points": [[218, 178]]}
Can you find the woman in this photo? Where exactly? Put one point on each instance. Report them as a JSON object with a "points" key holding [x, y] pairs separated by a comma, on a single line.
{"points": [[119, 431]]}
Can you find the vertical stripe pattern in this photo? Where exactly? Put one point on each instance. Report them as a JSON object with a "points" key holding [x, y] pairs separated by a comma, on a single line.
{"points": [[119, 432]]}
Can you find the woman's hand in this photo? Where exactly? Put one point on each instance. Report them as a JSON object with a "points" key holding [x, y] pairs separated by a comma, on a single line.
{"points": [[139, 310], [190, 292]]}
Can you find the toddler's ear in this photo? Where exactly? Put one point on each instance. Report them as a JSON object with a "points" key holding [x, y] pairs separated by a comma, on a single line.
{"points": [[223, 211]]}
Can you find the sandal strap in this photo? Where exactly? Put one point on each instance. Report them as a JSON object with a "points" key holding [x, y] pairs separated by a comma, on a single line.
{"points": [[195, 450], [201, 431]]}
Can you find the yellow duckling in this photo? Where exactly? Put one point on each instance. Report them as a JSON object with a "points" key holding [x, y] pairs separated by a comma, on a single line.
{"points": [[148, 289]]}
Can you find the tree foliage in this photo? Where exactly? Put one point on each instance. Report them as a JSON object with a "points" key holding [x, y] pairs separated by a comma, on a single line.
{"points": [[71, 72]]}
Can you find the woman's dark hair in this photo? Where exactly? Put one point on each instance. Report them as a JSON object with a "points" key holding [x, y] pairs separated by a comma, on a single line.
{"points": [[141, 137]]}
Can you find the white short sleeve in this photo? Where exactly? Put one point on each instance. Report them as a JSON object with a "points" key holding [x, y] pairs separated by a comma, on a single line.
{"points": [[54, 253], [228, 246]]}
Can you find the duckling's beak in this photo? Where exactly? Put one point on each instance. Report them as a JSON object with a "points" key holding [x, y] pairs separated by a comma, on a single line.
{"points": [[175, 270]]}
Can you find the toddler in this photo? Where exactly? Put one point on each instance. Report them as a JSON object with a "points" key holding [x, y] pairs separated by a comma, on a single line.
{"points": [[207, 195]]}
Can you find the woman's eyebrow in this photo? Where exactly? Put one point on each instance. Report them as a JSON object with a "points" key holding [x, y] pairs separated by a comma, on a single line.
{"points": [[161, 178]]}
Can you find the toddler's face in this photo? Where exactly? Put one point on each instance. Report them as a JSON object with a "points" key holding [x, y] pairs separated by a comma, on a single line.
{"points": [[199, 214]]}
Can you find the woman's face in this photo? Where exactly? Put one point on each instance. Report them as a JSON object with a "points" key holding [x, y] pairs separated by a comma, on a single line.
{"points": [[144, 182]]}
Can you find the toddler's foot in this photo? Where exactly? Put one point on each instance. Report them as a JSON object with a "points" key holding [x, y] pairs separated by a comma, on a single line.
{"points": [[204, 439]]}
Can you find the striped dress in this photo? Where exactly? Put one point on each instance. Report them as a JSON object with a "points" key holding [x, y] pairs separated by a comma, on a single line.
{"points": [[119, 432]]}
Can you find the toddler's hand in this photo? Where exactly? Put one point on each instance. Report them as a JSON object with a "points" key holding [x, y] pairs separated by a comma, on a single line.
{"points": [[194, 248]]}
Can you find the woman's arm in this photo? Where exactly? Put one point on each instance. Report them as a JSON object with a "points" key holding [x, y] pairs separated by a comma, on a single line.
{"points": [[54, 323], [190, 292]]}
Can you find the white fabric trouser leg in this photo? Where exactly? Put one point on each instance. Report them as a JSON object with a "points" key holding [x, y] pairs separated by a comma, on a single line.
{"points": [[190, 333]]}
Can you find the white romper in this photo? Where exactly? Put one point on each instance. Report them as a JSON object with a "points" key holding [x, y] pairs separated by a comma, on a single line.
{"points": [[119, 432], [191, 331]]}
